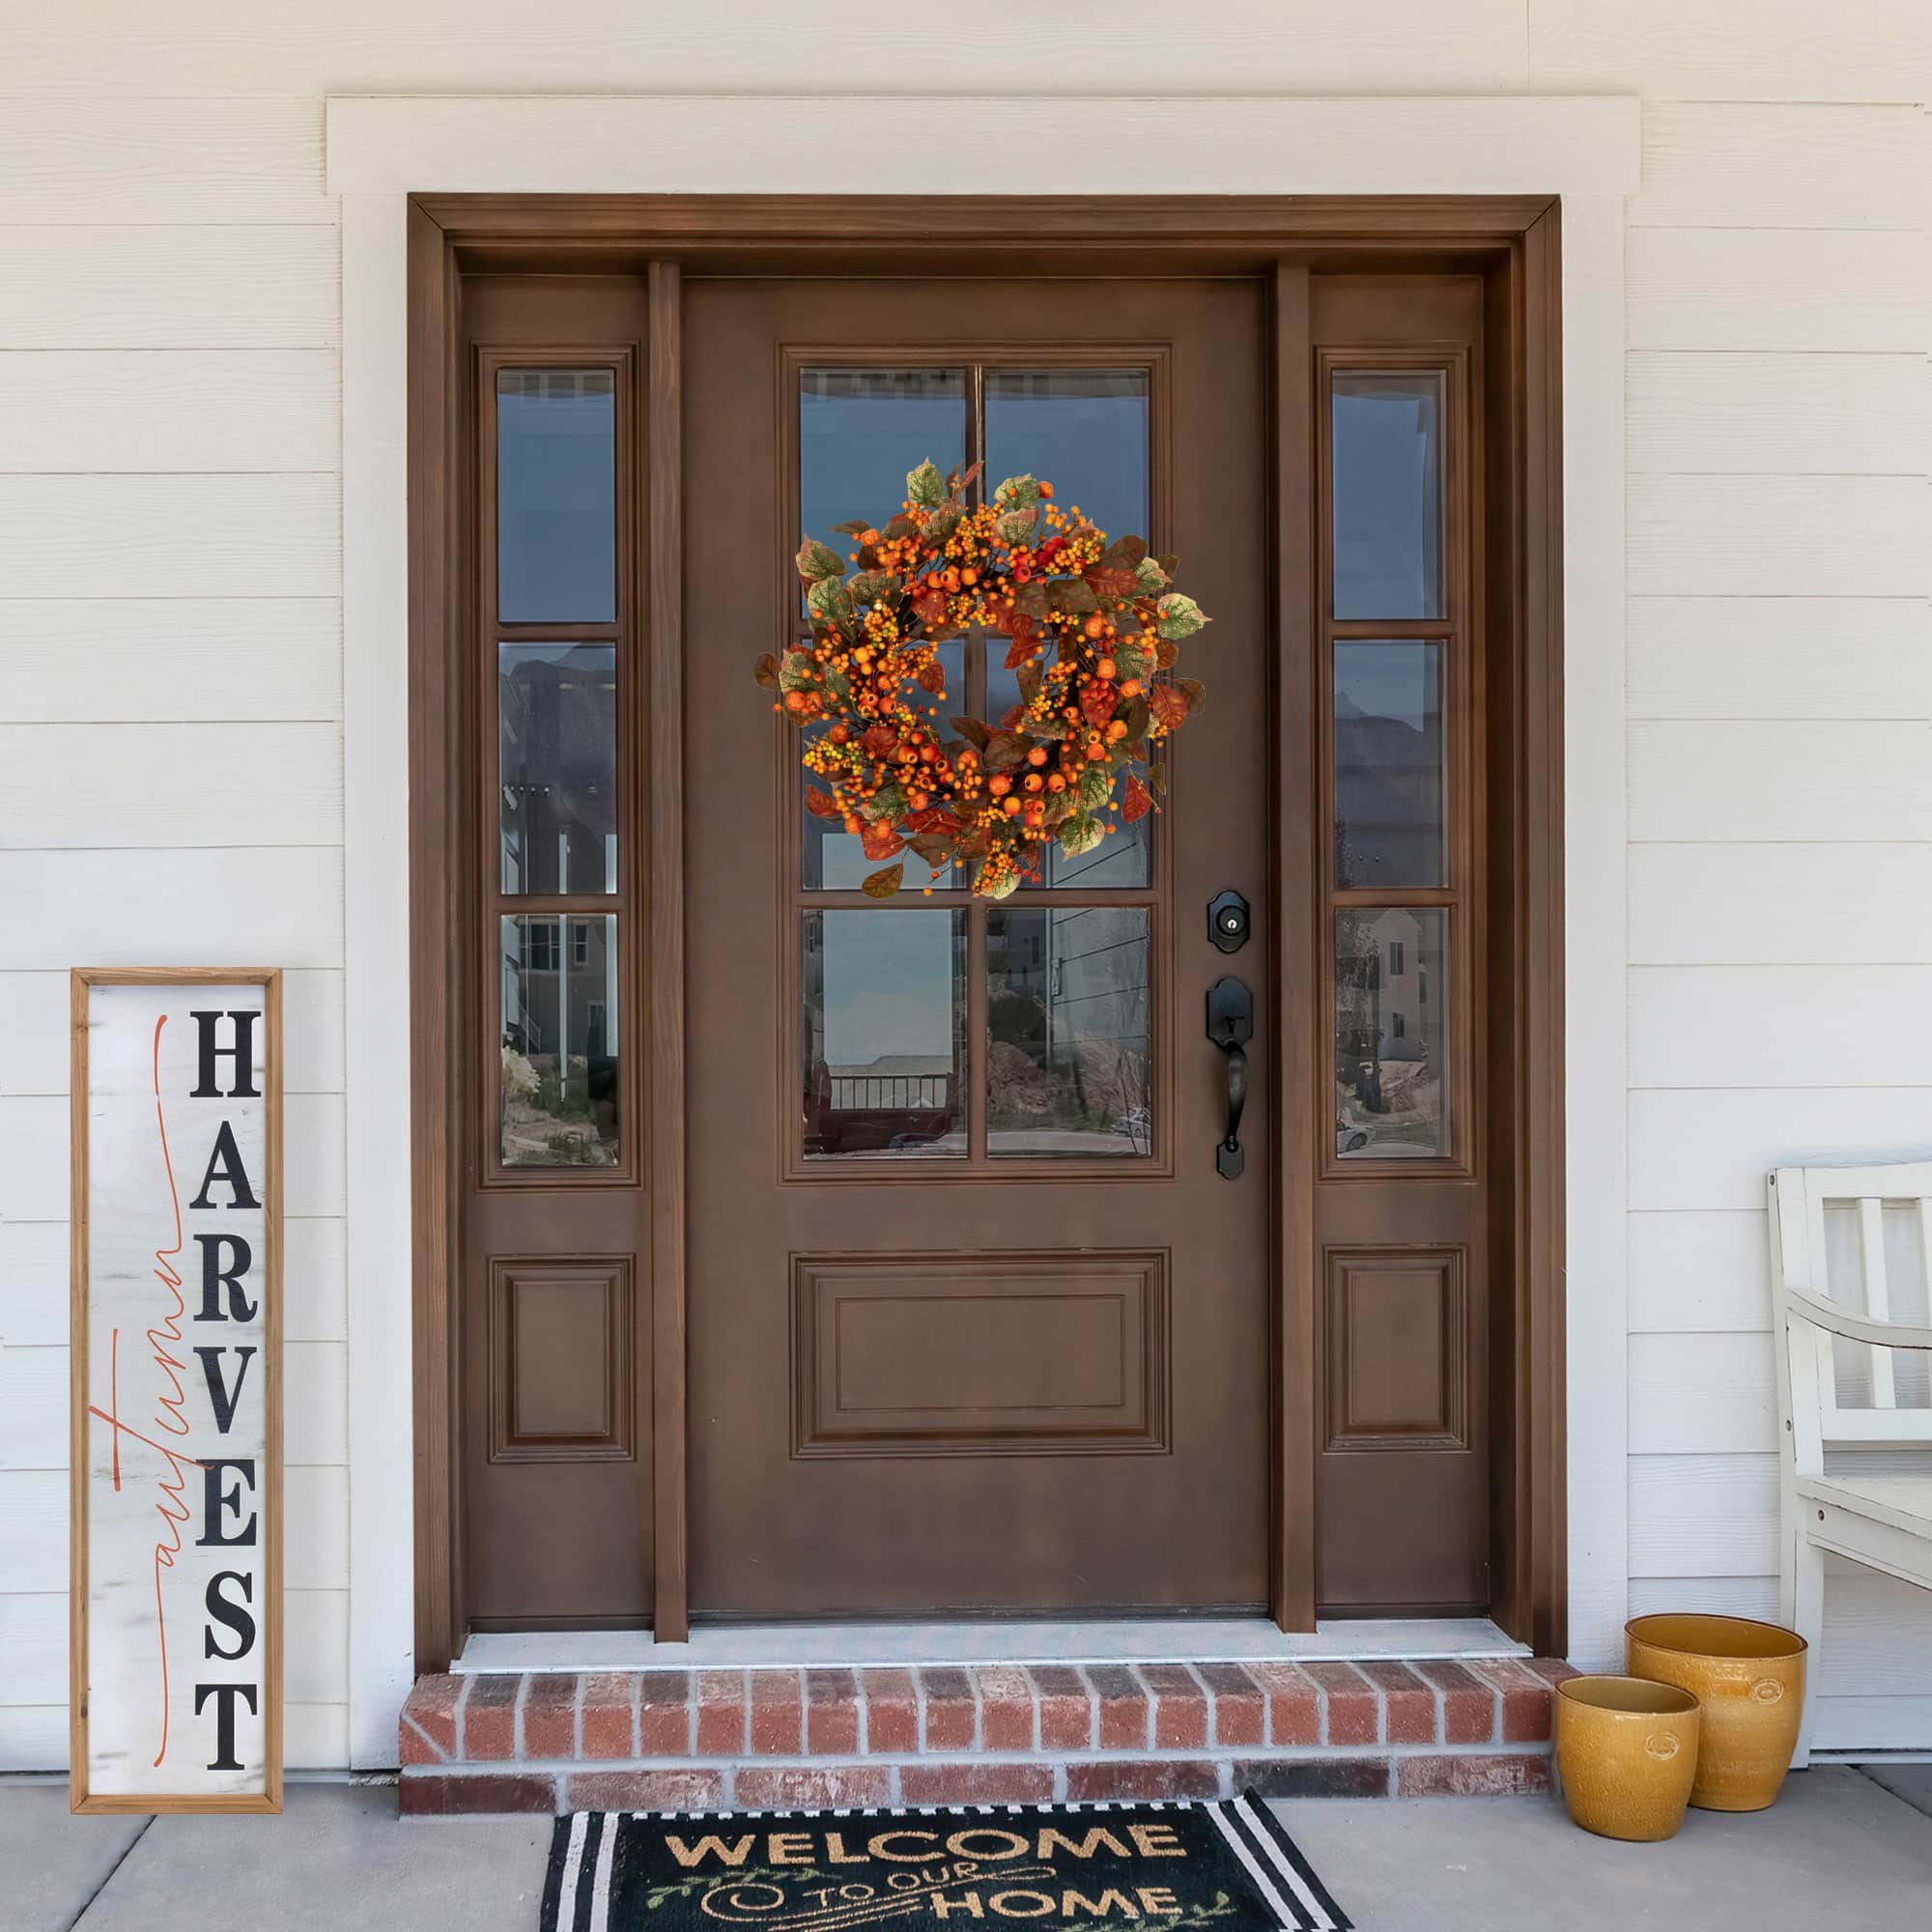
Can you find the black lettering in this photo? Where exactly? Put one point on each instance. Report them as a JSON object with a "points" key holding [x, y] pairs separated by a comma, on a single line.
{"points": [[242, 1053], [227, 1156], [215, 1499], [234, 1615], [224, 1696], [221, 1399], [214, 1278]]}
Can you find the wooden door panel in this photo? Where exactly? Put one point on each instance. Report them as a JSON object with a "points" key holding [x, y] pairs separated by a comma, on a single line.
{"points": [[929, 1376]]}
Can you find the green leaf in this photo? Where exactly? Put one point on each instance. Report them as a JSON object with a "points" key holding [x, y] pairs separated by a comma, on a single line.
{"points": [[943, 521], [886, 806], [828, 601], [1017, 527], [1133, 660], [872, 585], [794, 671], [1096, 787], [817, 561], [1017, 493], [1153, 580], [925, 486], [1179, 616], [1080, 834], [884, 883], [1005, 890]]}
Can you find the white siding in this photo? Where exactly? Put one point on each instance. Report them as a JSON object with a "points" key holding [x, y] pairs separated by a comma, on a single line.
{"points": [[169, 643], [1780, 770]]}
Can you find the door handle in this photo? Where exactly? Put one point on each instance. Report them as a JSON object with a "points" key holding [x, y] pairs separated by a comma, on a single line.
{"points": [[1231, 1025]]}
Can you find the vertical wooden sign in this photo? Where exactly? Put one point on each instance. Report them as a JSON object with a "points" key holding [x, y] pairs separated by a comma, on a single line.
{"points": [[175, 1589]]}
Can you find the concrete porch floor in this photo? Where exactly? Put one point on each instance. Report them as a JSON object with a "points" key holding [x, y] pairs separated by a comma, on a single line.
{"points": [[1839, 1849]]}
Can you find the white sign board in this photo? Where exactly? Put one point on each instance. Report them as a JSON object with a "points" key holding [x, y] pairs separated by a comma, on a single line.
{"points": [[176, 1450]]}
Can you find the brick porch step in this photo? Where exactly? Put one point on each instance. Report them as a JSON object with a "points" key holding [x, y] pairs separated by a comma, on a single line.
{"points": [[797, 1739]]}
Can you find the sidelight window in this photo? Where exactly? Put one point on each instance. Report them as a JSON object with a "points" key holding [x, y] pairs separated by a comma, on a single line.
{"points": [[555, 627], [1396, 641]]}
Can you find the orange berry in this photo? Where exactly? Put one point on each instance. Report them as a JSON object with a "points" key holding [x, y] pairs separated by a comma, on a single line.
{"points": [[1038, 755], [969, 577], [1094, 625], [851, 824], [1106, 666], [1011, 807], [1116, 730], [1034, 781], [795, 700], [998, 785], [1055, 783], [1131, 688], [1046, 490]]}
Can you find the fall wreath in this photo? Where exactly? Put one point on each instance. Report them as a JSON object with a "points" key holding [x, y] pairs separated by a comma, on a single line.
{"points": [[1093, 632]]}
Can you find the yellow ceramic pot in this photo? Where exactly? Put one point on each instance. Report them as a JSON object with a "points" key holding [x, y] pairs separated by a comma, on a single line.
{"points": [[1626, 1753], [1749, 1677]]}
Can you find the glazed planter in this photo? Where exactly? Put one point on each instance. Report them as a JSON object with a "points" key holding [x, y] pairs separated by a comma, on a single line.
{"points": [[1750, 1678], [1626, 1754]]}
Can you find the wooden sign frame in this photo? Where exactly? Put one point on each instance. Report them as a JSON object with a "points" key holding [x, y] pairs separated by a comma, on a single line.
{"points": [[265, 1279]]}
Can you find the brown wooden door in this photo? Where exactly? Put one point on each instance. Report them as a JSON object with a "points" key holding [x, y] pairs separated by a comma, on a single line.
{"points": [[975, 1325]]}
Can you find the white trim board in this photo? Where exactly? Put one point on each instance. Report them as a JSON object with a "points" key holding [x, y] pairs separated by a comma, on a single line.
{"points": [[380, 149], [853, 144]]}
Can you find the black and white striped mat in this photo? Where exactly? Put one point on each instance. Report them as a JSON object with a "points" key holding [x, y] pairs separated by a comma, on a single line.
{"points": [[1225, 1866]]}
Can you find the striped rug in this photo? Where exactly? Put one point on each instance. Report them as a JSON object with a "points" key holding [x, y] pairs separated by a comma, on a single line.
{"points": [[1224, 1866]]}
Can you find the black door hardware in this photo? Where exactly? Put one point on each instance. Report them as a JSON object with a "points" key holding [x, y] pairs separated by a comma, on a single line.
{"points": [[1228, 922], [1231, 1025]]}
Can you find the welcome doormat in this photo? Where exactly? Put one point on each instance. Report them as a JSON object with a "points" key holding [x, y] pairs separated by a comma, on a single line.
{"points": [[1225, 1866]]}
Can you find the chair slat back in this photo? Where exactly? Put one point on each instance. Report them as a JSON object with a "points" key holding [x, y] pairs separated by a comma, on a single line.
{"points": [[1861, 1237]]}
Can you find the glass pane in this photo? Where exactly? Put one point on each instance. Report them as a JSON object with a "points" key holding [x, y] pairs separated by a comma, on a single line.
{"points": [[1121, 859], [559, 993], [1067, 1051], [1391, 1031], [884, 1034], [557, 767], [1084, 430], [1388, 764], [1387, 433], [861, 430], [831, 858], [557, 497]]}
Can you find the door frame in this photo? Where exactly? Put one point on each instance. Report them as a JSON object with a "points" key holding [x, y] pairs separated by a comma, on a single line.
{"points": [[1512, 239]]}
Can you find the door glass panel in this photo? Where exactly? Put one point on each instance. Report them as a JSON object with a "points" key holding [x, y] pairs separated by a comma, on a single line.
{"points": [[1387, 480], [557, 497], [1388, 764], [883, 1049], [1391, 1033], [860, 431], [557, 767], [1067, 1026], [1085, 430], [832, 859], [558, 977]]}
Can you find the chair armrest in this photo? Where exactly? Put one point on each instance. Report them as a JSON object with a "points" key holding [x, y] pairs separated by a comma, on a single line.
{"points": [[1837, 1320]]}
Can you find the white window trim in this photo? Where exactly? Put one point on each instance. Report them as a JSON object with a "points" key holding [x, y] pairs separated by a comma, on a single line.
{"points": [[380, 149]]}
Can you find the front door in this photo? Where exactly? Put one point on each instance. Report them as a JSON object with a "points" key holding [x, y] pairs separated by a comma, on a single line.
{"points": [[975, 1323], [973, 1320]]}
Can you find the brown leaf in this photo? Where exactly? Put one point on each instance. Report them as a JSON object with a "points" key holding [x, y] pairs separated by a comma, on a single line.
{"points": [[879, 741], [1005, 749], [883, 884], [973, 732], [1168, 705], [766, 671], [880, 840], [1166, 653], [1030, 598], [1194, 690], [1135, 802], [937, 820], [930, 606], [1024, 649], [820, 804], [1126, 553], [932, 848], [931, 676], [1110, 581], [1071, 593]]}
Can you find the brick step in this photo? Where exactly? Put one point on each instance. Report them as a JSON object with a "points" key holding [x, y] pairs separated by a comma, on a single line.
{"points": [[796, 1738]]}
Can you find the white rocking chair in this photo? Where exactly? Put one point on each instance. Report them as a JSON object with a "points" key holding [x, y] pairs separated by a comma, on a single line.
{"points": [[1882, 1520]]}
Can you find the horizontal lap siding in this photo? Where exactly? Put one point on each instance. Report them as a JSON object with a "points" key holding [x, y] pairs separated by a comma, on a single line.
{"points": [[170, 745], [1779, 678]]}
